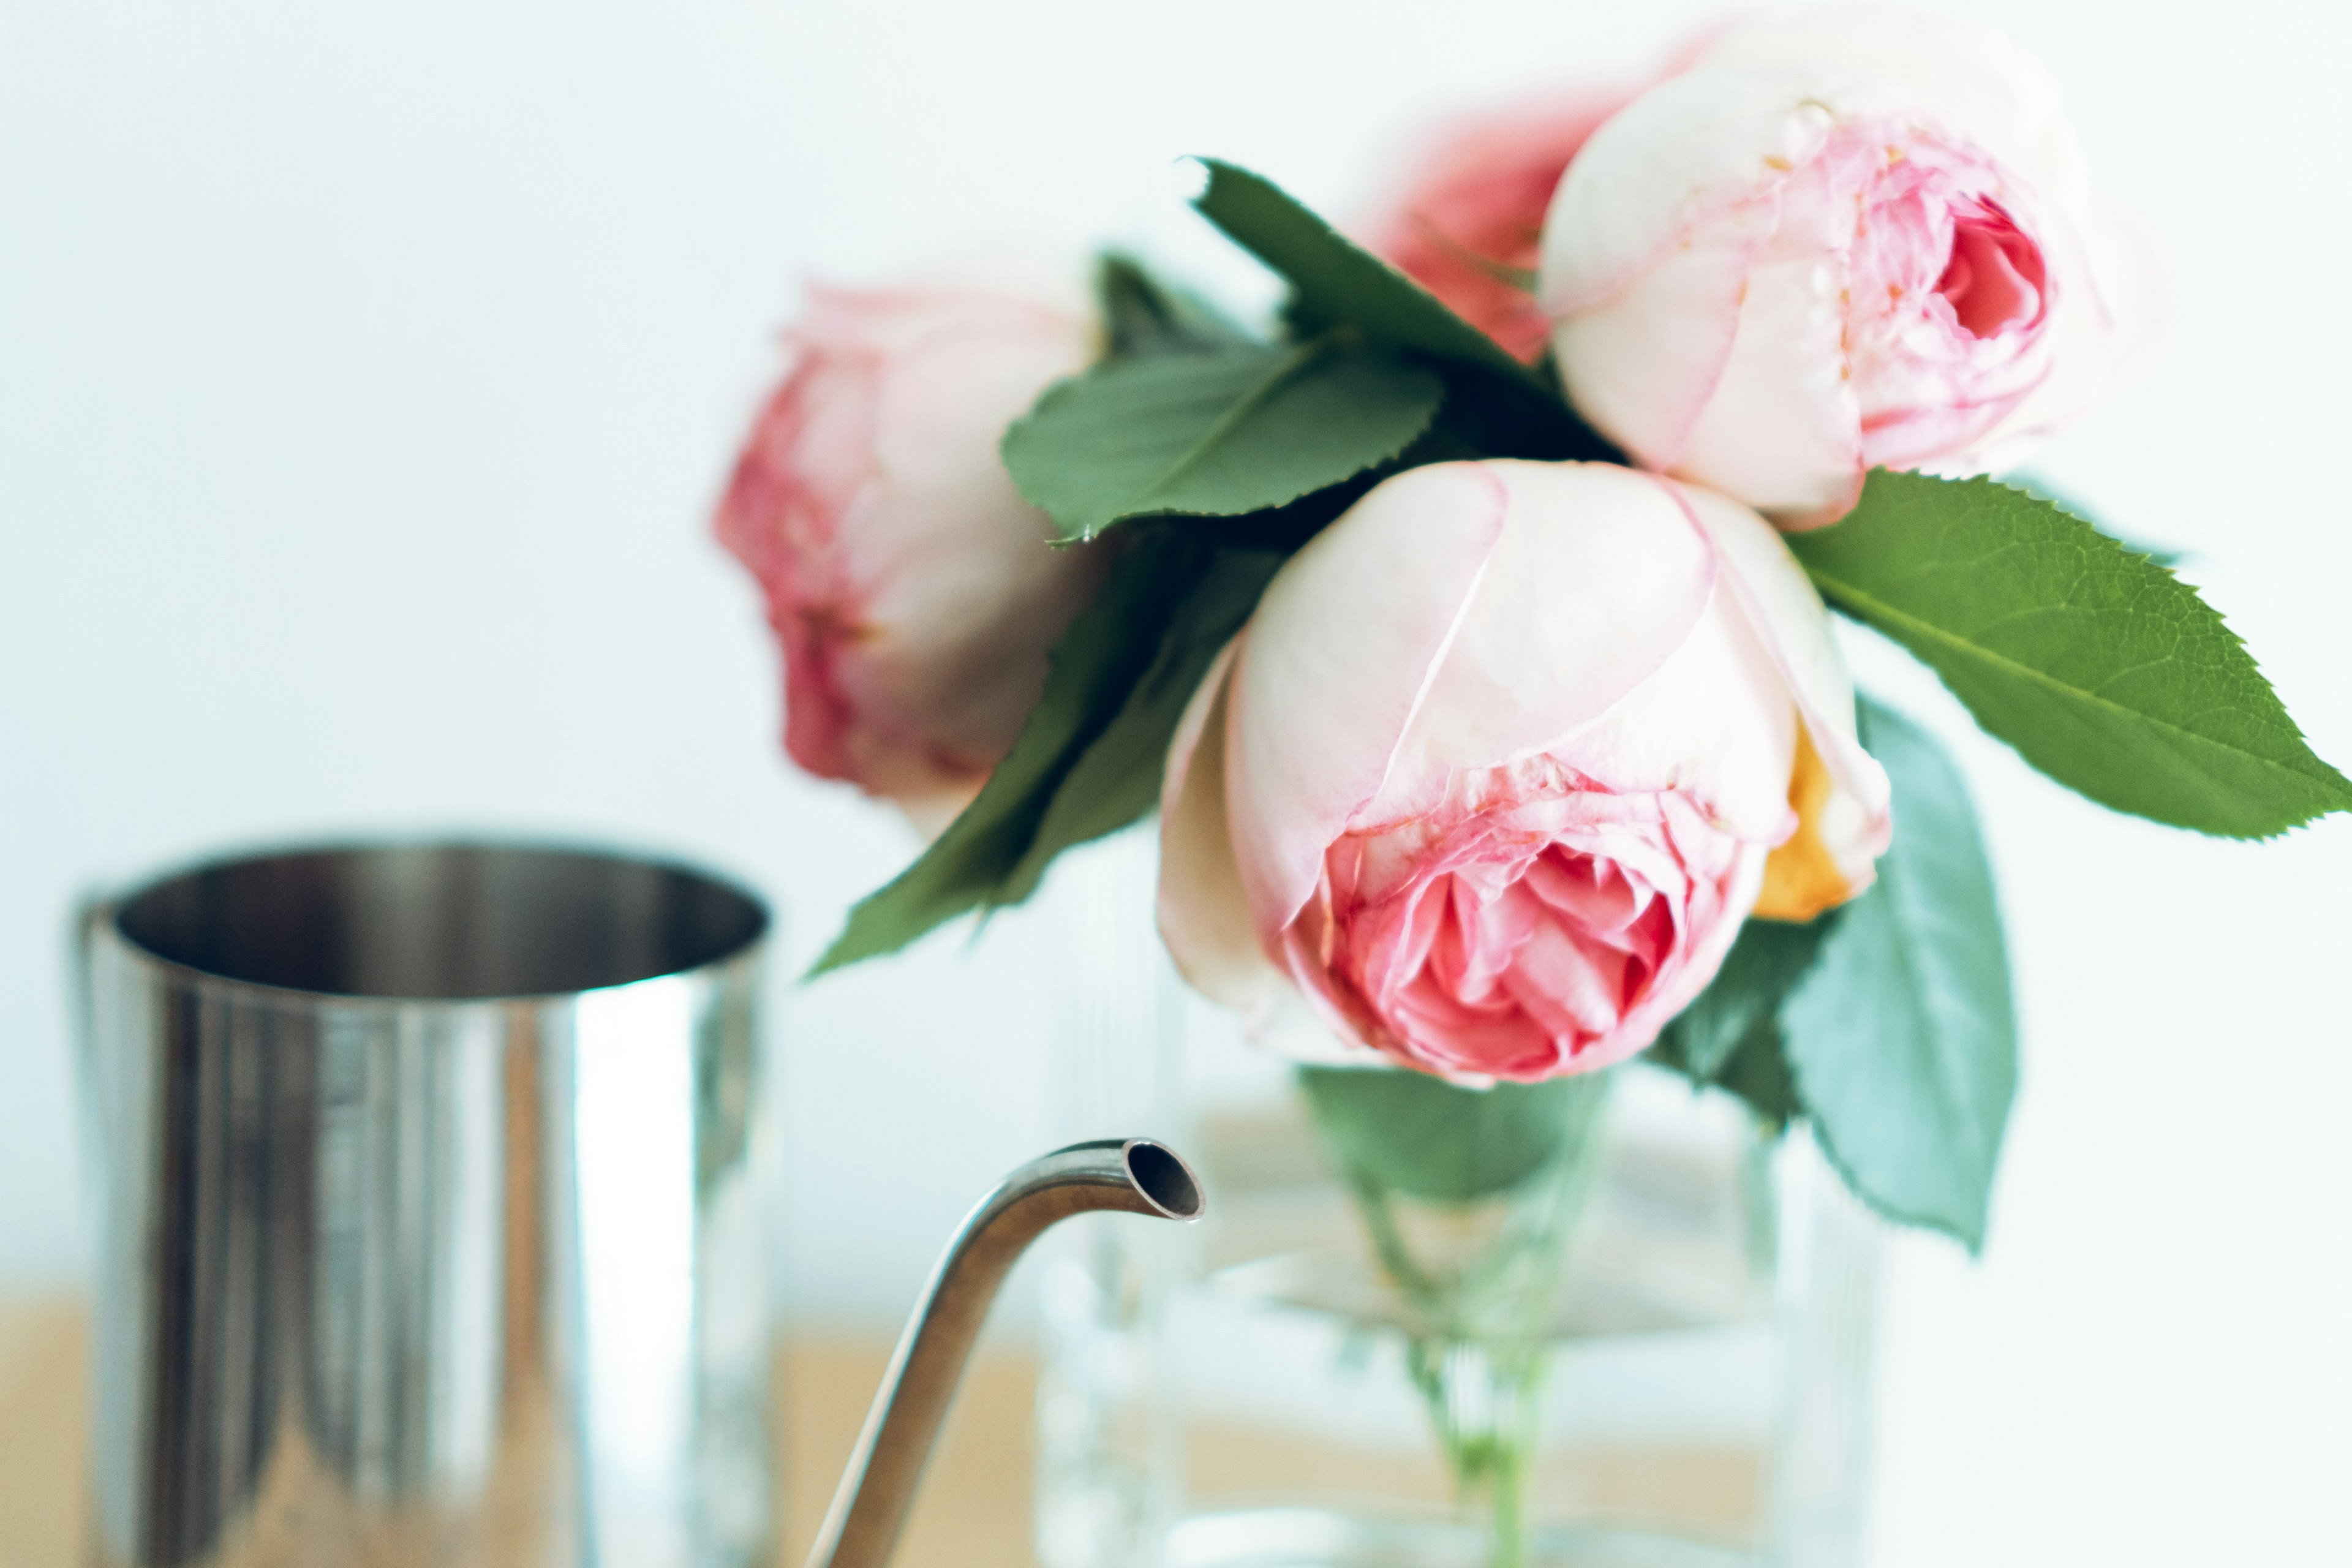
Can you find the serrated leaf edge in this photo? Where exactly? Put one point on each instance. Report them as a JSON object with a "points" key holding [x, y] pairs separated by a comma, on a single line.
{"points": [[1911, 989], [1878, 611], [1895, 1214]]}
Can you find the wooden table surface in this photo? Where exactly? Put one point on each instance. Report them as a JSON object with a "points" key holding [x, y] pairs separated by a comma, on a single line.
{"points": [[973, 1511]]}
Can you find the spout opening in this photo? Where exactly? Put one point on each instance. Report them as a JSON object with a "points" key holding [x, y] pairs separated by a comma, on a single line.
{"points": [[1166, 1182]]}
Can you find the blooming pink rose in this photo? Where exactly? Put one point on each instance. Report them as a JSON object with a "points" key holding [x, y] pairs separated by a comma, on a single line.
{"points": [[1468, 219], [911, 588], [1501, 763], [1848, 236]]}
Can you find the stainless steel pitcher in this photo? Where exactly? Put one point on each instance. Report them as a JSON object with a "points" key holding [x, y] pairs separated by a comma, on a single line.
{"points": [[430, 1222]]}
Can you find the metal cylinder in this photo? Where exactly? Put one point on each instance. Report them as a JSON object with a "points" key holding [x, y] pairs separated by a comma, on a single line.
{"points": [[429, 1204]]}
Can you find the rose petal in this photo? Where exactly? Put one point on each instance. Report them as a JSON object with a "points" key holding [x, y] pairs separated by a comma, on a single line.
{"points": [[1783, 609], [1679, 322], [1670, 165], [1205, 915], [1971, 78], [1714, 722], [1782, 426], [1630, 279], [1341, 653]]}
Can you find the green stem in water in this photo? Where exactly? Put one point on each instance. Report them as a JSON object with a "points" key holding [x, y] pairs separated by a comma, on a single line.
{"points": [[1485, 1403], [1480, 1352], [1510, 1168]]}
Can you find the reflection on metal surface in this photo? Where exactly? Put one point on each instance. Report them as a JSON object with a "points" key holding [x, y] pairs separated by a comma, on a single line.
{"points": [[1134, 1176], [430, 1214]]}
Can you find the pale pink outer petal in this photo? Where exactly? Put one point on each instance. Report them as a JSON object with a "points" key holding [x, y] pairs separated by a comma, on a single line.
{"points": [[1783, 426], [955, 586], [1972, 80], [1597, 580], [1641, 364], [1205, 915], [1666, 169], [1714, 722], [1340, 652], [1781, 608], [1461, 614], [1645, 294]]}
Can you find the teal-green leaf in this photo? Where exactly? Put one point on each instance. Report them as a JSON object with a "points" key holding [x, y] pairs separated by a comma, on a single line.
{"points": [[1337, 281], [1763, 965], [1116, 780], [1143, 315], [1217, 433], [1902, 1034], [1395, 1131], [1759, 1073], [2104, 669], [1494, 405], [1088, 761], [1730, 1036]]}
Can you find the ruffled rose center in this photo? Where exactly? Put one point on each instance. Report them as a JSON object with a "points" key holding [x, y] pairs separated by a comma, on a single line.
{"points": [[1521, 937], [1948, 294], [1993, 281]]}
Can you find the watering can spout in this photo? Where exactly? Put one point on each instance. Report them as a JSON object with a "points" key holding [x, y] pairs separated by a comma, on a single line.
{"points": [[878, 1490]]}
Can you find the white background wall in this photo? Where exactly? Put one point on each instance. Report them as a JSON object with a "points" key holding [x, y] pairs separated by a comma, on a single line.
{"points": [[366, 374]]}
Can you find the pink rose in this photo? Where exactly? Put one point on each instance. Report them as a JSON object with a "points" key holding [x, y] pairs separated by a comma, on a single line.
{"points": [[1501, 763], [1467, 222], [1849, 236], [911, 588]]}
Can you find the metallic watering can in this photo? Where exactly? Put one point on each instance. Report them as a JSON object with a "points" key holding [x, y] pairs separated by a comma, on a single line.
{"points": [[429, 1220], [1133, 1175]]}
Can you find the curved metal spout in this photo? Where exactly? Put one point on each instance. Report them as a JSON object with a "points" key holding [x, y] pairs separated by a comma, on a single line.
{"points": [[878, 1490]]}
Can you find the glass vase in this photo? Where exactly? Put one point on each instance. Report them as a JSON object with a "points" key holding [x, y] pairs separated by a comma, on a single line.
{"points": [[1607, 1323]]}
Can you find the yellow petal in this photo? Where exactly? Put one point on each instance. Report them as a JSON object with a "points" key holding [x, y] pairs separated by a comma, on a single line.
{"points": [[1801, 878]]}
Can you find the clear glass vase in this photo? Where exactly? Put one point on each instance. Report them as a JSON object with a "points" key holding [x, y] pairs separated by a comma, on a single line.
{"points": [[1642, 1338]]}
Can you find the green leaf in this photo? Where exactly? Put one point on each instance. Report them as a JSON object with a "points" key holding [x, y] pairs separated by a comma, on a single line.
{"points": [[2104, 669], [1901, 1036], [1494, 405], [1396, 1130], [1087, 761], [1337, 280], [1763, 965], [1117, 778], [1220, 432], [2039, 489], [1730, 1036], [1759, 1073], [1142, 315]]}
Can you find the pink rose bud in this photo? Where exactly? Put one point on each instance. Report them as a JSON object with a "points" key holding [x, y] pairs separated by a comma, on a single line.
{"points": [[912, 590], [1467, 222], [1849, 236], [1502, 761]]}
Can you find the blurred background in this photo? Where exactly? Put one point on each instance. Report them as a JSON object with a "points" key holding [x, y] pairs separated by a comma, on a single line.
{"points": [[367, 374]]}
